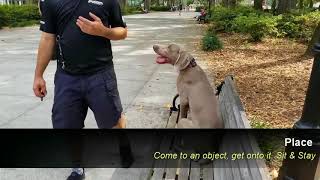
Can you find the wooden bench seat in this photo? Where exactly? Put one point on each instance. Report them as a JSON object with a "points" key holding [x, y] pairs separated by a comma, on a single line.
{"points": [[233, 115]]}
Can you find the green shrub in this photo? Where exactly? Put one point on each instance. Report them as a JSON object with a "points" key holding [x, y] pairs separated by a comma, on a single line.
{"points": [[3, 18], [131, 10], [198, 8], [287, 26], [211, 42], [256, 26], [298, 24], [223, 17], [20, 15], [220, 13], [160, 8], [258, 124], [189, 2]]}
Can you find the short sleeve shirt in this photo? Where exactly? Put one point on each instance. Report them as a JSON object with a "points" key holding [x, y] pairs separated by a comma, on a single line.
{"points": [[81, 53]]}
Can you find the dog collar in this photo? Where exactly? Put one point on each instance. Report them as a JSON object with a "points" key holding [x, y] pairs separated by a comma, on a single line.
{"points": [[193, 63], [190, 65], [178, 59]]}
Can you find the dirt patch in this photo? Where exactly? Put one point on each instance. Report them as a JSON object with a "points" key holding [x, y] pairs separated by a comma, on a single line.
{"points": [[271, 76]]}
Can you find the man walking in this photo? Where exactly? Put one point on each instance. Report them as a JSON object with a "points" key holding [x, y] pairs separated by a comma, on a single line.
{"points": [[80, 32]]}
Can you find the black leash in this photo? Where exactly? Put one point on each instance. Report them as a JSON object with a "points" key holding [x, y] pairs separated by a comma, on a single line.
{"points": [[174, 108]]}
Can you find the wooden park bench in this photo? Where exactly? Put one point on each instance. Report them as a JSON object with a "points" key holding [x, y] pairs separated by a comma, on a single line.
{"points": [[233, 115]]}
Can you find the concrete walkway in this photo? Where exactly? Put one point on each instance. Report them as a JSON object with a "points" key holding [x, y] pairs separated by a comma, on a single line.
{"points": [[146, 89]]}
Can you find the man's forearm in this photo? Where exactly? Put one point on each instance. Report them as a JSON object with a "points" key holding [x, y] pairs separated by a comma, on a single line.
{"points": [[45, 52], [117, 33]]}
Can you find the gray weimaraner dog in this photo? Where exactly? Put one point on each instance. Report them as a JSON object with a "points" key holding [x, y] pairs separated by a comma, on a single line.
{"points": [[195, 91]]}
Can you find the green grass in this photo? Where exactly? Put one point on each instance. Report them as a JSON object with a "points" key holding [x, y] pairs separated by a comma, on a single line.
{"points": [[259, 124]]}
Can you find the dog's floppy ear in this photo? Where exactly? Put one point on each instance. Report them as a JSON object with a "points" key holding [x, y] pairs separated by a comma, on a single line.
{"points": [[184, 60]]}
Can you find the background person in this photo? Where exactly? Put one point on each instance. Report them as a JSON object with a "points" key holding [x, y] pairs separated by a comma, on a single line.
{"points": [[180, 9]]}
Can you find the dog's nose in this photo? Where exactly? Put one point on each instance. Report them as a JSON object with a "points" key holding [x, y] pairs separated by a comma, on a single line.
{"points": [[155, 47]]}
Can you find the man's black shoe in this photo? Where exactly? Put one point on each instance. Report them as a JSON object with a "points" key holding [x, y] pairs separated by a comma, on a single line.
{"points": [[76, 176]]}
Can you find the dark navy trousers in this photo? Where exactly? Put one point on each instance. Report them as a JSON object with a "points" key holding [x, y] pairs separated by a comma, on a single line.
{"points": [[74, 94]]}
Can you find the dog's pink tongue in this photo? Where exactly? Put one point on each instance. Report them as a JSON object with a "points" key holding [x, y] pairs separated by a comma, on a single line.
{"points": [[161, 60]]}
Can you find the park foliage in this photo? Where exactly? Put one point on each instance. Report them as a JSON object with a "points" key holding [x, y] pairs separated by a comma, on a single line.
{"points": [[127, 10], [211, 42], [14, 15], [25, 15], [160, 8], [298, 25]]}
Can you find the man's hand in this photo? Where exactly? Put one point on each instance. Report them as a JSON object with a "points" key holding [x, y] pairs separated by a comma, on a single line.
{"points": [[95, 28], [39, 87]]}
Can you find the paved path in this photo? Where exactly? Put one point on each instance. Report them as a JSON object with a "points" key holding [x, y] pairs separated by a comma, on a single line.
{"points": [[145, 88]]}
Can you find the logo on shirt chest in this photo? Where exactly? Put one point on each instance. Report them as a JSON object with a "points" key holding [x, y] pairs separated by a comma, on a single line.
{"points": [[99, 3]]}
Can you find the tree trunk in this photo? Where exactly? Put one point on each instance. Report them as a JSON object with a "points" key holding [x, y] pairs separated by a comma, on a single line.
{"points": [[310, 3], [232, 3], [300, 4], [292, 4], [258, 4], [147, 5], [123, 3], [273, 6], [225, 3], [315, 39], [283, 6]]}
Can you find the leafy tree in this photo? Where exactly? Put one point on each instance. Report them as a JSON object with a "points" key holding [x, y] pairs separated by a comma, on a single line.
{"points": [[123, 3], [189, 2], [258, 4]]}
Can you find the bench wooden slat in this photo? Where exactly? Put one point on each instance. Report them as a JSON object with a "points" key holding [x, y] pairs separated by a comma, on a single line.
{"points": [[225, 107], [184, 169], [159, 167], [242, 164], [233, 110], [195, 171], [241, 120], [171, 172], [253, 166], [257, 168], [218, 171], [262, 168], [227, 163], [233, 115], [132, 174], [234, 164], [208, 171], [222, 108], [172, 120], [230, 119]]}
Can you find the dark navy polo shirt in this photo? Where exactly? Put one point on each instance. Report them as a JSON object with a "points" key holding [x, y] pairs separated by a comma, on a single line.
{"points": [[82, 53]]}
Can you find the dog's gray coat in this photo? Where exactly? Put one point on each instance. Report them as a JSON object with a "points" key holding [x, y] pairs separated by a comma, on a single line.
{"points": [[196, 93]]}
